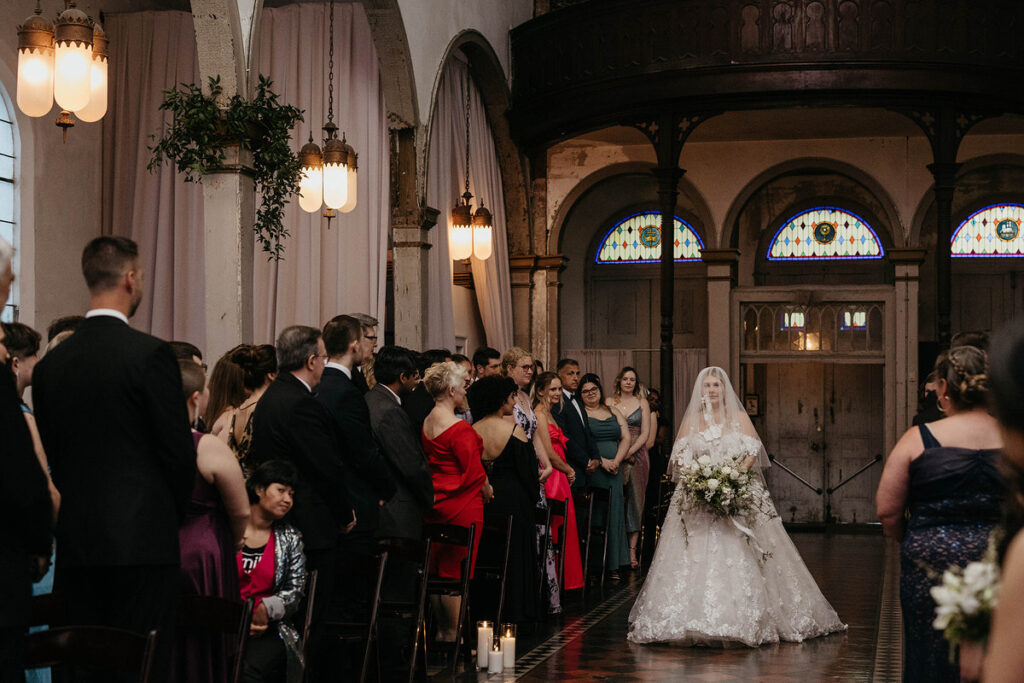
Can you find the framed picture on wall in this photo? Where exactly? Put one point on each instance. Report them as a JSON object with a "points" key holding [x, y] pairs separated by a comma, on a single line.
{"points": [[752, 404]]}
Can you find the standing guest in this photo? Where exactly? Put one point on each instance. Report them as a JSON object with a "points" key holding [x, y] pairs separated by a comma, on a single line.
{"points": [[581, 449], [259, 368], [945, 473], [636, 467], [367, 368], [453, 450], [124, 462], [291, 425], [184, 350], [418, 404], [25, 550], [227, 391], [399, 444], [486, 362], [547, 393], [612, 436], [511, 465], [272, 571], [367, 347], [67, 323], [215, 521], [467, 365], [1004, 660]]}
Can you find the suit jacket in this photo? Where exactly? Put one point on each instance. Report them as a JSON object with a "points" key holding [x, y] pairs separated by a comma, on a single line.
{"points": [[112, 417], [24, 490], [367, 477], [581, 448], [290, 424], [359, 379], [402, 449], [417, 405]]}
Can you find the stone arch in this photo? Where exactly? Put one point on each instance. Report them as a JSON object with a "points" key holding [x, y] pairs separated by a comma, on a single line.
{"points": [[701, 212], [729, 236], [392, 45], [489, 77]]}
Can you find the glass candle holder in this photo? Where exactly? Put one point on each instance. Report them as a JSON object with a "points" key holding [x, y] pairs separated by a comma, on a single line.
{"points": [[508, 645]]}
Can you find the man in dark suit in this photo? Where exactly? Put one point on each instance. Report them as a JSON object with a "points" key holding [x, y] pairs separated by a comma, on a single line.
{"points": [[581, 452], [25, 492], [368, 480], [290, 424], [400, 444], [123, 458], [367, 346]]}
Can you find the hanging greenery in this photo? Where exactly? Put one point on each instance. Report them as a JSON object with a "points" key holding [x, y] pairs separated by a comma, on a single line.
{"points": [[199, 130]]}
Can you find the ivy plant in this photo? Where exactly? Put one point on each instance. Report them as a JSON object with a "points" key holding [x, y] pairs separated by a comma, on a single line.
{"points": [[194, 141]]}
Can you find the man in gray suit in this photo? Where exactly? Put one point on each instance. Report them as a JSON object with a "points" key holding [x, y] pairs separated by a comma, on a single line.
{"points": [[399, 443]]}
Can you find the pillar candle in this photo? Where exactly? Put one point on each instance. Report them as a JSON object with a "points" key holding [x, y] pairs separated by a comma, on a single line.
{"points": [[508, 647], [484, 637], [494, 661]]}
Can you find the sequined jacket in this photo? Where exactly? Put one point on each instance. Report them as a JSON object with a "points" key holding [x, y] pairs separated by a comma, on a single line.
{"points": [[289, 588]]}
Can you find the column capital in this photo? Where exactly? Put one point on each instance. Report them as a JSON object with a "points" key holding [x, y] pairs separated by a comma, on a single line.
{"points": [[944, 174], [420, 218], [720, 256], [907, 256]]}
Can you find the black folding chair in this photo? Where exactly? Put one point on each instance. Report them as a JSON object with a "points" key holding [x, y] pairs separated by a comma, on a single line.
{"points": [[559, 509], [497, 530], [404, 553], [542, 518], [211, 615], [359, 630], [599, 499], [103, 647], [307, 620], [464, 537]]}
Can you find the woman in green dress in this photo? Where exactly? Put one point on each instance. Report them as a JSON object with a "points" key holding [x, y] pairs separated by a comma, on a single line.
{"points": [[612, 435]]}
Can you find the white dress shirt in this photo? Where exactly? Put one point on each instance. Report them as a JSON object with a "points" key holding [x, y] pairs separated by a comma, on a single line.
{"points": [[96, 312], [339, 366]]}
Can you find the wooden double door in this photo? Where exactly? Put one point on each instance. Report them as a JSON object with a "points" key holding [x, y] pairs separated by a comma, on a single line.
{"points": [[824, 425]]}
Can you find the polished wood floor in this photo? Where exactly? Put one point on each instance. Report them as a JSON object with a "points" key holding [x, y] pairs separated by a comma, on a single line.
{"points": [[589, 642]]}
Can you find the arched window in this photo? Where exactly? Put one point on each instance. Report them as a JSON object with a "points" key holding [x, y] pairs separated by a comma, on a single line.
{"points": [[825, 233], [7, 195], [994, 231], [637, 239]]}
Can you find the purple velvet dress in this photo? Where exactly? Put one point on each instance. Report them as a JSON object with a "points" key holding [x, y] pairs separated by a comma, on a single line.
{"points": [[208, 567]]}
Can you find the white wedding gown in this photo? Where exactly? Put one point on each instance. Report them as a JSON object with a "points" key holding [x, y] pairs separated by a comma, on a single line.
{"points": [[709, 586]]}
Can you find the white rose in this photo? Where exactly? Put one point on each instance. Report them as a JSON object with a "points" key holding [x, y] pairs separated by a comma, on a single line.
{"points": [[712, 484], [726, 470], [706, 471], [734, 475], [743, 479], [704, 460], [693, 467]]}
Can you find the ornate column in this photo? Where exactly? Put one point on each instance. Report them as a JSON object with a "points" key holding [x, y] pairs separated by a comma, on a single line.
{"points": [[409, 244], [522, 269], [721, 276], [907, 266]]}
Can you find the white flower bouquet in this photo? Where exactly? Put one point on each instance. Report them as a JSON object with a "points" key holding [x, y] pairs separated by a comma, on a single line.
{"points": [[724, 490], [964, 602]]}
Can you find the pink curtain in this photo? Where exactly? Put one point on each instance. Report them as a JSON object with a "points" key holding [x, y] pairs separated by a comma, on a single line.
{"points": [[446, 168], [151, 52], [605, 363]]}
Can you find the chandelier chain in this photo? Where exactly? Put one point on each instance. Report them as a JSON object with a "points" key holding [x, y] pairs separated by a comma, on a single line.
{"points": [[467, 130], [330, 57]]}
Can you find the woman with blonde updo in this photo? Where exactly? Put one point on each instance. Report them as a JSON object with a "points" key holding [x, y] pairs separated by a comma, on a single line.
{"points": [[454, 452], [945, 474]]}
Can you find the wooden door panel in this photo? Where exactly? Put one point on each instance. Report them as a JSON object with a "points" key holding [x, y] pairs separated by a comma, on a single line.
{"points": [[619, 314], [854, 436]]}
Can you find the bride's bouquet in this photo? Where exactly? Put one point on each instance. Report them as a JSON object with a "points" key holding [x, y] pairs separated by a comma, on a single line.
{"points": [[726, 490]]}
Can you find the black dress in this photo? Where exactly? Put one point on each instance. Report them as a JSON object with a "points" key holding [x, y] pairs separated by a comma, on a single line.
{"points": [[513, 475], [954, 498]]}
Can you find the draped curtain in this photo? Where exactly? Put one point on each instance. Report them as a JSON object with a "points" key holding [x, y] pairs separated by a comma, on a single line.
{"points": [[324, 271], [446, 168], [605, 363], [151, 52]]}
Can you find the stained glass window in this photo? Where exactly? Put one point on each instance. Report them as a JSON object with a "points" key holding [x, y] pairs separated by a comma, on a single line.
{"points": [[637, 239], [824, 233], [992, 231], [7, 196]]}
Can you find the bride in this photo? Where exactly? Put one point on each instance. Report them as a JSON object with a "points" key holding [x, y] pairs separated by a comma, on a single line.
{"points": [[723, 581]]}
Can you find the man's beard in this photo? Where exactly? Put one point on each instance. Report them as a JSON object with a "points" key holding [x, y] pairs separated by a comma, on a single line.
{"points": [[135, 305]]}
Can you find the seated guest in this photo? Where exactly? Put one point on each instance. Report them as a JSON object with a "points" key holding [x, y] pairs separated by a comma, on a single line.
{"points": [[460, 483], [945, 474], [67, 323], [399, 444], [227, 391], [419, 403], [215, 522], [272, 570], [259, 368], [511, 464]]}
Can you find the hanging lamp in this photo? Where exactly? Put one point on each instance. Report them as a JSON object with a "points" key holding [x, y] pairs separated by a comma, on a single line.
{"points": [[469, 233], [329, 173]]}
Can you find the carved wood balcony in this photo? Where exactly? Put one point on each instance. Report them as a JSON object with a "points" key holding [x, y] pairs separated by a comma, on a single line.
{"points": [[605, 62]]}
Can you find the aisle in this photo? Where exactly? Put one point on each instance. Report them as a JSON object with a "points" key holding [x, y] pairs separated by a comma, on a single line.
{"points": [[849, 569]]}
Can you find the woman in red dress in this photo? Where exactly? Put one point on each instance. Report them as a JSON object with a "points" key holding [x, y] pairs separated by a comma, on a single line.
{"points": [[461, 488], [547, 391]]}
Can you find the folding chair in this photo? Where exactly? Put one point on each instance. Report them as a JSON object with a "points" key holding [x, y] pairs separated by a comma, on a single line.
{"points": [[598, 498], [206, 614], [543, 519], [402, 553], [465, 537], [559, 509], [96, 646], [496, 528], [359, 630]]}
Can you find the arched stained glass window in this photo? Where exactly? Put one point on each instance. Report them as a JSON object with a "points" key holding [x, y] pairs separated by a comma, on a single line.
{"points": [[991, 232], [637, 239], [825, 233], [7, 312]]}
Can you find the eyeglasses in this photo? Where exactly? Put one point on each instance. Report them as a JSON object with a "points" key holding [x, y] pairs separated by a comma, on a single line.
{"points": [[370, 337], [591, 390]]}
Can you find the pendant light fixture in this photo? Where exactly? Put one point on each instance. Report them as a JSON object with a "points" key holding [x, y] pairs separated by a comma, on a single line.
{"points": [[65, 61], [328, 174], [469, 234]]}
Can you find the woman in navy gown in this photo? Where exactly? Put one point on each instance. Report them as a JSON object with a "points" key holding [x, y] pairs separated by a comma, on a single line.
{"points": [[945, 474]]}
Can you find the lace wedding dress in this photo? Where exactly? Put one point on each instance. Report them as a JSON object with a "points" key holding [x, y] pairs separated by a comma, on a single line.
{"points": [[722, 581]]}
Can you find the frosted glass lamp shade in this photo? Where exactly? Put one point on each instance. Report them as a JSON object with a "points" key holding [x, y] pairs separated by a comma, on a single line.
{"points": [[311, 189], [335, 185], [97, 106], [35, 81], [460, 242], [482, 242], [350, 202], [72, 75]]}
